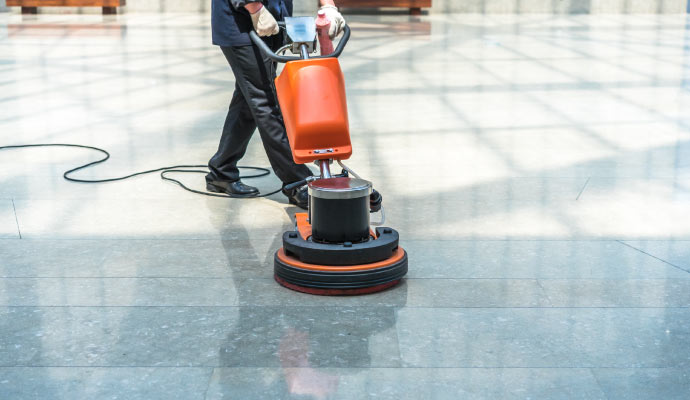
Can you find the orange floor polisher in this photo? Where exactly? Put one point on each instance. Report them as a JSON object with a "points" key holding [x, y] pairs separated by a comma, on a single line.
{"points": [[333, 250]]}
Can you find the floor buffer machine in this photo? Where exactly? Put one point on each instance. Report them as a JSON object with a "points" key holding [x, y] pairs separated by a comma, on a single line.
{"points": [[333, 250]]}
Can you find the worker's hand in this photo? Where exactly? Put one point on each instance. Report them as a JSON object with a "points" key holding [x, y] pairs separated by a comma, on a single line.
{"points": [[337, 20], [264, 23]]}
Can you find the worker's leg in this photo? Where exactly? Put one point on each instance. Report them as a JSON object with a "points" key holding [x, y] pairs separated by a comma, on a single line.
{"points": [[237, 130], [254, 74]]}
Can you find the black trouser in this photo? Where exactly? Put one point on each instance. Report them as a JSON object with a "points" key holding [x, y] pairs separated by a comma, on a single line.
{"points": [[254, 104]]}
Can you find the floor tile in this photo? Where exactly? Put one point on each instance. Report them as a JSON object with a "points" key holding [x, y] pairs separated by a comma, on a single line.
{"points": [[8, 223], [676, 253], [191, 218], [636, 208], [532, 259], [315, 336], [199, 336], [623, 338], [146, 258], [67, 292], [114, 336], [411, 293], [617, 293], [132, 383], [644, 383], [403, 383]]}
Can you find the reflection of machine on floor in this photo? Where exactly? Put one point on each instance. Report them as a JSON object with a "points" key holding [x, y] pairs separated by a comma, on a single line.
{"points": [[333, 250]]}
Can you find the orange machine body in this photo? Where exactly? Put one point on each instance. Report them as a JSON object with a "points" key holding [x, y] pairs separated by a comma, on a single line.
{"points": [[311, 94]]}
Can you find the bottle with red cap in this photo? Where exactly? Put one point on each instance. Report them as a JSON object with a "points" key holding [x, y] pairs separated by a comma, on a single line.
{"points": [[322, 26]]}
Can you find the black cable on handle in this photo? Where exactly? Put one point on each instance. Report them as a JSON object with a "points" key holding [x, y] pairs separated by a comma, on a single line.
{"points": [[163, 170]]}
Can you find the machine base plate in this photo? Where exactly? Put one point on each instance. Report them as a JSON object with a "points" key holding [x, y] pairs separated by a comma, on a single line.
{"points": [[332, 280]]}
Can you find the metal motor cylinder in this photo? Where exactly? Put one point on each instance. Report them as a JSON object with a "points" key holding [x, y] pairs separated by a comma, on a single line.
{"points": [[339, 210]]}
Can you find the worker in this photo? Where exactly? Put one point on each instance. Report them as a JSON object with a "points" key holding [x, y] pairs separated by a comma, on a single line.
{"points": [[254, 103]]}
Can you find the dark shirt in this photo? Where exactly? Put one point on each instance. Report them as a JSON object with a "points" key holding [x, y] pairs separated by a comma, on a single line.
{"points": [[231, 23]]}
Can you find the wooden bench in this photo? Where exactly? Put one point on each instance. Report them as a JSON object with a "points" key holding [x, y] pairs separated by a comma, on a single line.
{"points": [[31, 6], [415, 6]]}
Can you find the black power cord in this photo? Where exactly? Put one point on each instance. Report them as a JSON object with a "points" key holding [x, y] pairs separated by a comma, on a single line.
{"points": [[163, 171]]}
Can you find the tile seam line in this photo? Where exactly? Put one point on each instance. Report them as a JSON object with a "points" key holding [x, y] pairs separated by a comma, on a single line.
{"points": [[460, 239], [548, 126], [583, 188], [214, 367], [258, 278], [348, 306], [599, 385], [212, 372], [653, 256], [16, 219], [544, 292]]}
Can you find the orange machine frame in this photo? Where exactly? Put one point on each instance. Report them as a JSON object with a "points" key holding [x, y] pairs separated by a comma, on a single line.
{"points": [[311, 94]]}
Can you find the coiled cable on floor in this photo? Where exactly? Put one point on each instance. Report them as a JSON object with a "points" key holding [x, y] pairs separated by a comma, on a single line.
{"points": [[163, 171]]}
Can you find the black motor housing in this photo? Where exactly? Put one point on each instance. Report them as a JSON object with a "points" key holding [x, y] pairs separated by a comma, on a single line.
{"points": [[339, 210]]}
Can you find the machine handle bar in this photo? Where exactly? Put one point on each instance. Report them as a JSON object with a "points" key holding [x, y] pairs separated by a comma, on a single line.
{"points": [[278, 58]]}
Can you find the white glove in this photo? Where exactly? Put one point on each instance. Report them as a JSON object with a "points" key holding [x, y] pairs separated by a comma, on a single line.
{"points": [[337, 20], [264, 23]]}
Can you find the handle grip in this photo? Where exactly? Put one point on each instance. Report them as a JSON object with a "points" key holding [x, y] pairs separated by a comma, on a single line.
{"points": [[263, 47]]}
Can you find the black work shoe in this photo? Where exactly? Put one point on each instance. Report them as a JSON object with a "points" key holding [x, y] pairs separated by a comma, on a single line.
{"points": [[236, 188], [298, 197]]}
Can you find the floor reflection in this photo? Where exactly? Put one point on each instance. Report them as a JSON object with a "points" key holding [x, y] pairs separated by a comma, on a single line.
{"points": [[302, 340]]}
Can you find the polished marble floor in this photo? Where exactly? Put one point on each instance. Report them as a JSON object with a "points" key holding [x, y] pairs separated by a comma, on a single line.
{"points": [[537, 168]]}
